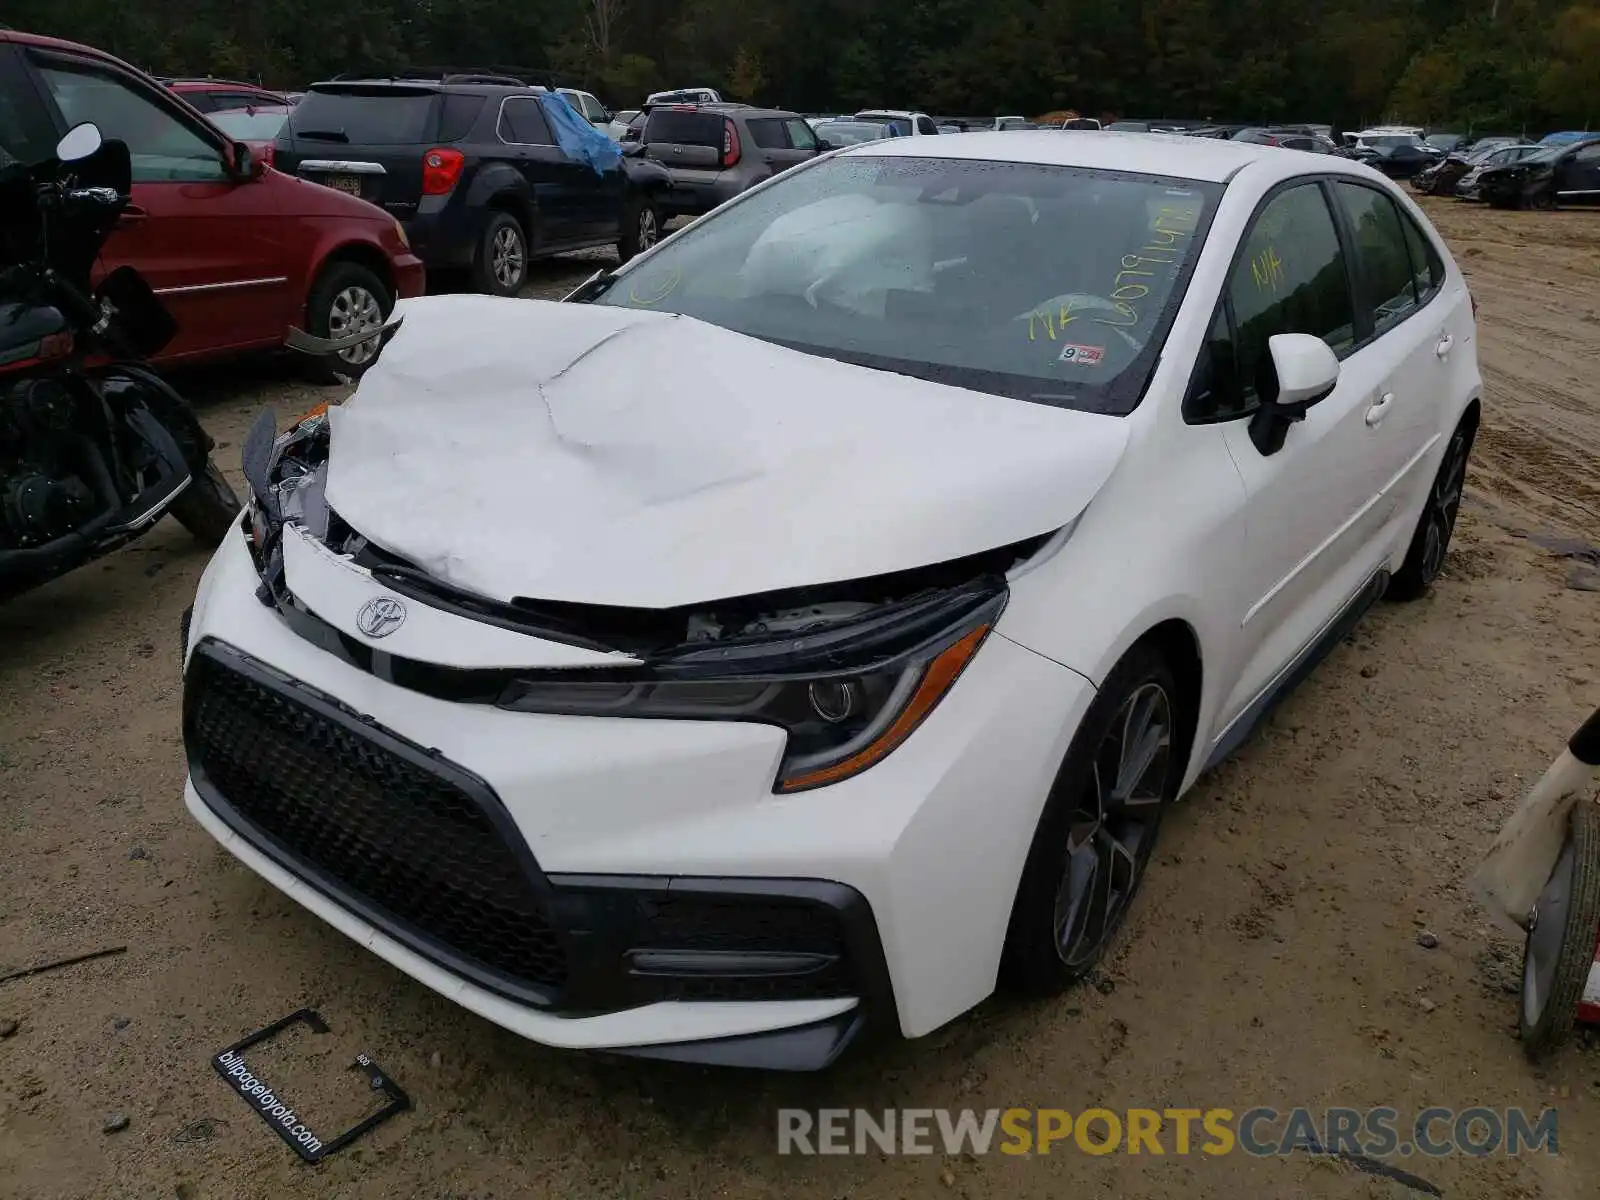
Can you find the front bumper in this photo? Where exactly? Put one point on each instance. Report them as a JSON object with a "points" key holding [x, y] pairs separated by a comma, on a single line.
{"points": [[910, 868]]}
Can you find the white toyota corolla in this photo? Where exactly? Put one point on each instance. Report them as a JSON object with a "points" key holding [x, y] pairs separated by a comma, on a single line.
{"points": [[806, 627]]}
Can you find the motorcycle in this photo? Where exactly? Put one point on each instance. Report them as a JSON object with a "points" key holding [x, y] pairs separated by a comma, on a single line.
{"points": [[94, 446]]}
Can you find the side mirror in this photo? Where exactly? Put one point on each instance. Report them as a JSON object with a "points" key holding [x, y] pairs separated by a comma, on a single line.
{"points": [[246, 166], [79, 142], [1297, 372], [824, 145]]}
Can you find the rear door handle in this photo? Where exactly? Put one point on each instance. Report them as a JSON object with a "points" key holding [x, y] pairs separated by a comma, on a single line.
{"points": [[132, 215], [1381, 407], [1443, 348]]}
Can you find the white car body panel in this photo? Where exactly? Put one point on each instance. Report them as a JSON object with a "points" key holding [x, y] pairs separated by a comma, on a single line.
{"points": [[651, 797], [663, 481], [667, 444]]}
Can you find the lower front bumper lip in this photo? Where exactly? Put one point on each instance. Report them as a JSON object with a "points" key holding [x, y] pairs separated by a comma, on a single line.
{"points": [[725, 1032]]}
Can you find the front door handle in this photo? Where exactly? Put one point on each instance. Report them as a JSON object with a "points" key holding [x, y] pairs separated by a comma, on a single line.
{"points": [[132, 215], [1443, 348], [1381, 407]]}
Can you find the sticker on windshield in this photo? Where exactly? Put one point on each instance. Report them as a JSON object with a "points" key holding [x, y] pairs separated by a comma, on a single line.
{"points": [[1083, 356]]}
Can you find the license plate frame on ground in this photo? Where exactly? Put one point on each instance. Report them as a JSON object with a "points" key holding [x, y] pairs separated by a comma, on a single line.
{"points": [[279, 1115]]}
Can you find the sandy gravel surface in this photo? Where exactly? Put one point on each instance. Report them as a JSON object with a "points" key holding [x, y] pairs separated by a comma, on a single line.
{"points": [[1273, 958]]}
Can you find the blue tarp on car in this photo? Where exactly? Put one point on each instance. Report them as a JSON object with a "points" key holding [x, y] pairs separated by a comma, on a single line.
{"points": [[577, 138]]}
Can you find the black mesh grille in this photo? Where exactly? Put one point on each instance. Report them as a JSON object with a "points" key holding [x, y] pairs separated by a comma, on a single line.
{"points": [[396, 834]]}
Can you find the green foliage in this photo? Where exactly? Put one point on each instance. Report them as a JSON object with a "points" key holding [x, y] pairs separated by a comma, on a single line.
{"points": [[1488, 64]]}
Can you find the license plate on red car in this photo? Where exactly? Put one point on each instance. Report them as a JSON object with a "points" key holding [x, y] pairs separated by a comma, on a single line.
{"points": [[343, 183]]}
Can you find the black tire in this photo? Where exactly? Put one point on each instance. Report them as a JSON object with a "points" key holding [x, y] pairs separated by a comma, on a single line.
{"points": [[1083, 842], [1543, 200], [1557, 957], [1430, 543], [642, 223], [346, 298], [208, 507], [500, 267]]}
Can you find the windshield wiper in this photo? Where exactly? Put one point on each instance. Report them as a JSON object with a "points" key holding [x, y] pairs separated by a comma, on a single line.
{"points": [[323, 135]]}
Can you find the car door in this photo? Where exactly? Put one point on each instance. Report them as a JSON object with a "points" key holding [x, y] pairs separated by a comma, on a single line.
{"points": [[1414, 337], [1312, 535], [561, 193], [1578, 178], [211, 246]]}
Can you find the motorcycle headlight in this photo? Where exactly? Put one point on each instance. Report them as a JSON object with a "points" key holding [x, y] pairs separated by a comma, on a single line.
{"points": [[840, 719]]}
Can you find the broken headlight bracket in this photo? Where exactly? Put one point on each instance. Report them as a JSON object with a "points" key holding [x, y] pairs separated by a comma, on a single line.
{"points": [[279, 1114]]}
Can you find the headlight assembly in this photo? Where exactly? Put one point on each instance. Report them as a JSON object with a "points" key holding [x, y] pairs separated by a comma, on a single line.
{"points": [[839, 719]]}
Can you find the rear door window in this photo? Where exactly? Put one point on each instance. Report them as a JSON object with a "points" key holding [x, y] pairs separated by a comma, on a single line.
{"points": [[390, 117], [684, 128], [926, 125], [768, 133], [1382, 260], [522, 123], [1427, 267]]}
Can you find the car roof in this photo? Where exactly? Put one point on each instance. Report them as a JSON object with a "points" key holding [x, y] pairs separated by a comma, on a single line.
{"points": [[1168, 154], [889, 112]]}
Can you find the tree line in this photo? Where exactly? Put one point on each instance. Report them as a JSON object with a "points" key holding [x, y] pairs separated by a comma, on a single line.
{"points": [[1475, 65]]}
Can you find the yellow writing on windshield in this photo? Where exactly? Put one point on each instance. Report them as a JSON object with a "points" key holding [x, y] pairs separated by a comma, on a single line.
{"points": [[1051, 322], [1167, 231]]}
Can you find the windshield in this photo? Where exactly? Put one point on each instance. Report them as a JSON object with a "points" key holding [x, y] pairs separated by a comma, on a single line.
{"points": [[1043, 283], [1392, 140], [250, 125], [852, 133]]}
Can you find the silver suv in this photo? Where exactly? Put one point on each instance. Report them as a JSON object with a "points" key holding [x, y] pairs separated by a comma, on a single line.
{"points": [[715, 151]]}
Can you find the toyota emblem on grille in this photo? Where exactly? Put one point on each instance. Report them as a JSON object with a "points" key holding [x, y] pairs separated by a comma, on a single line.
{"points": [[381, 616]]}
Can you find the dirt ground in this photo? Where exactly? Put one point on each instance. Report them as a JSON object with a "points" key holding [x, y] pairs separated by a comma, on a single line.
{"points": [[1273, 958]]}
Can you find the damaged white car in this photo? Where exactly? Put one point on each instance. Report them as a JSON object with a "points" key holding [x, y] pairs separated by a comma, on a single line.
{"points": [[806, 627]]}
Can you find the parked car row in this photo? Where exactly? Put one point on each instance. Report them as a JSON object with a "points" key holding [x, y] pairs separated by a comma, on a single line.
{"points": [[1520, 175]]}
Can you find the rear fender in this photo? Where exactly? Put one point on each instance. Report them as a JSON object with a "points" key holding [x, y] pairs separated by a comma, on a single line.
{"points": [[498, 181]]}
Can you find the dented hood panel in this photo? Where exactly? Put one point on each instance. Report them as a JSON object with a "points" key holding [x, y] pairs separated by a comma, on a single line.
{"points": [[610, 456]]}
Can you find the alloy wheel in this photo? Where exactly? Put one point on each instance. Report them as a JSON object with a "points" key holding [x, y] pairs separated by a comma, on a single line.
{"points": [[1114, 825], [649, 229], [1444, 505], [355, 310], [506, 257]]}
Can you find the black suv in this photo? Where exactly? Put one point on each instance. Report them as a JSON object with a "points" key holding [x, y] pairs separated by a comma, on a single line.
{"points": [[470, 168]]}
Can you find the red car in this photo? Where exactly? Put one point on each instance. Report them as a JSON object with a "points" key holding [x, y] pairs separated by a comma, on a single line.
{"points": [[212, 95], [238, 251], [256, 127]]}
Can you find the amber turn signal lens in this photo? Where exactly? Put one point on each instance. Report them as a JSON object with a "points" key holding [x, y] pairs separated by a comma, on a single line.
{"points": [[943, 671]]}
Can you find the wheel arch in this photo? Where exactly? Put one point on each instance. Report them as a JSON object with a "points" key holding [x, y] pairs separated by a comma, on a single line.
{"points": [[1179, 645], [1177, 633], [501, 188]]}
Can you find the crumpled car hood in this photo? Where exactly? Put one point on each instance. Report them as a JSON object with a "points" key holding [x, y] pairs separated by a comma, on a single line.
{"points": [[602, 455]]}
